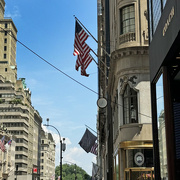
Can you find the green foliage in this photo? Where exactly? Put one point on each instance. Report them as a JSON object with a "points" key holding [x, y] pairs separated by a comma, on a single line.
{"points": [[69, 172], [15, 101], [2, 101]]}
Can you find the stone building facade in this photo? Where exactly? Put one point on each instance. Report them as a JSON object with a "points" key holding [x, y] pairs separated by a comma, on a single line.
{"points": [[124, 126], [47, 169]]}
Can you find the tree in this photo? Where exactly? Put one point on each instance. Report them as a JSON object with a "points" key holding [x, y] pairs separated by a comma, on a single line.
{"points": [[71, 172]]}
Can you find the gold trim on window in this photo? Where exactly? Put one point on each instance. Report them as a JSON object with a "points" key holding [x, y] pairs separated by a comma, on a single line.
{"points": [[136, 144]]}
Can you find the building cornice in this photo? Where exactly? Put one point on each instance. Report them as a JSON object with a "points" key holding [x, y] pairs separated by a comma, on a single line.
{"points": [[137, 50]]}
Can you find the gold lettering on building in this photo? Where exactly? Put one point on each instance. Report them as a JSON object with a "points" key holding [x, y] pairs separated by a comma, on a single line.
{"points": [[169, 19]]}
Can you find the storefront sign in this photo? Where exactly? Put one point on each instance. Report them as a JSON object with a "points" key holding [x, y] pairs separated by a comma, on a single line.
{"points": [[169, 19], [139, 158]]}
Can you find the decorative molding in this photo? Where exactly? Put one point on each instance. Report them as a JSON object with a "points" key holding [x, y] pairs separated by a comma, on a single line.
{"points": [[126, 79], [119, 53]]}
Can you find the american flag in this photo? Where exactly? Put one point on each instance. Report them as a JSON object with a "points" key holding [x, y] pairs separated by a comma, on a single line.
{"points": [[81, 49], [94, 149], [2, 147], [9, 142], [80, 38], [82, 57], [83, 62]]}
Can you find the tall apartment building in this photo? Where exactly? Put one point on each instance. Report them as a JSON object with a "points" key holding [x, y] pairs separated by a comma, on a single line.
{"points": [[47, 167], [16, 110], [164, 53], [124, 125]]}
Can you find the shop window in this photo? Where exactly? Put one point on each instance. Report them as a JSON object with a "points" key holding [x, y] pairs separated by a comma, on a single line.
{"points": [[130, 110], [139, 158], [164, 3], [161, 128], [127, 19], [117, 167], [139, 164]]}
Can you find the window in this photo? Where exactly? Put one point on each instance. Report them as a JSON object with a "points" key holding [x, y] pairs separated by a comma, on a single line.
{"points": [[164, 3], [5, 48], [5, 33], [130, 110], [5, 40], [161, 128], [117, 167], [4, 56], [139, 158], [127, 19], [5, 25]]}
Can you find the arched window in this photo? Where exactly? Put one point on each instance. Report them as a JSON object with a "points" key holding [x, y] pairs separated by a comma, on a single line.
{"points": [[130, 108]]}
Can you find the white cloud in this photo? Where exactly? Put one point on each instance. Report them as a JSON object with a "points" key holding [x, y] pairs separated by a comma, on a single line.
{"points": [[76, 155], [14, 13]]}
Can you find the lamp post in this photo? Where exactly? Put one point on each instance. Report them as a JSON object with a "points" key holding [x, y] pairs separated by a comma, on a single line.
{"points": [[62, 146]]}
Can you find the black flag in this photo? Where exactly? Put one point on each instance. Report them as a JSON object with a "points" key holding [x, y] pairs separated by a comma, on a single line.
{"points": [[87, 140]]}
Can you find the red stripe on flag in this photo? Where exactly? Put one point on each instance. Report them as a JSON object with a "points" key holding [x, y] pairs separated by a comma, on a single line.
{"points": [[94, 148], [81, 50]]}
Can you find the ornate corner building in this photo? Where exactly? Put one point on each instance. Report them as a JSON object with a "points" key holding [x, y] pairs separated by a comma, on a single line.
{"points": [[125, 125]]}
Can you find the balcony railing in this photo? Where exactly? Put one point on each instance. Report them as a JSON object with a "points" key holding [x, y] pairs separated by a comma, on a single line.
{"points": [[128, 37]]}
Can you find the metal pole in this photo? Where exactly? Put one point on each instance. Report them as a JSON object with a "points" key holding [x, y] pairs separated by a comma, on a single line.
{"points": [[61, 160], [60, 164]]}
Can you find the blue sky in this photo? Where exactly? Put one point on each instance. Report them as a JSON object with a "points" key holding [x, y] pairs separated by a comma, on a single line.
{"points": [[47, 27]]}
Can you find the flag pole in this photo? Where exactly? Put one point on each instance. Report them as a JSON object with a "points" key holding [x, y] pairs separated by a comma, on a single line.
{"points": [[85, 28], [97, 64], [91, 35], [100, 59], [91, 129]]}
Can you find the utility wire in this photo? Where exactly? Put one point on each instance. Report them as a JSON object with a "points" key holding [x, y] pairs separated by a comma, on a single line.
{"points": [[49, 62], [62, 71]]}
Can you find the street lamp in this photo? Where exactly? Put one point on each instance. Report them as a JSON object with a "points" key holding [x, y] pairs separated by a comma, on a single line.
{"points": [[62, 145]]}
